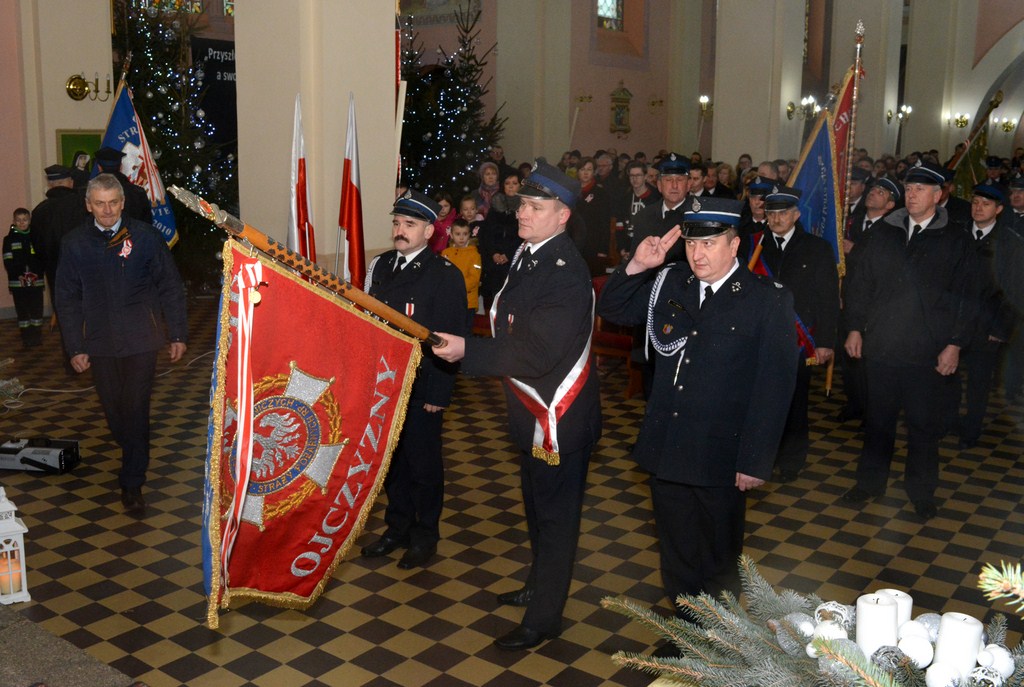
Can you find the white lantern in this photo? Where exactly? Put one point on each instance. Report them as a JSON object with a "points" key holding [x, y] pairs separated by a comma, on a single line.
{"points": [[13, 582]]}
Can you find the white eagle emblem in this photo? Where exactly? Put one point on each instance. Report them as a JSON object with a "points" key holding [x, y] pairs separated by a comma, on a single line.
{"points": [[696, 205]]}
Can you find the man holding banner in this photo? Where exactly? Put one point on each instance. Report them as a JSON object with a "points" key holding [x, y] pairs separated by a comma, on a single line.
{"points": [[542, 321]]}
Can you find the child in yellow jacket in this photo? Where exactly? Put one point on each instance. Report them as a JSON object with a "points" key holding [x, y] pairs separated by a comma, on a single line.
{"points": [[467, 259]]}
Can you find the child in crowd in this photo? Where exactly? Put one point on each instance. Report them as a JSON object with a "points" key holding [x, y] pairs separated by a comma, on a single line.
{"points": [[467, 259], [443, 223], [468, 211], [24, 279]]}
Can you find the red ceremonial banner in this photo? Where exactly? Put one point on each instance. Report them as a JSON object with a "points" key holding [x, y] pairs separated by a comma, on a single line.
{"points": [[327, 398]]}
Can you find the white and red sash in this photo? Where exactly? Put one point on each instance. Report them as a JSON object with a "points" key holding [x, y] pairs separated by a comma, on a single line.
{"points": [[545, 431]]}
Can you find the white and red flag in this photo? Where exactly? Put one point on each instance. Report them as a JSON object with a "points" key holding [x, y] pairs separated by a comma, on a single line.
{"points": [[300, 220], [350, 215]]}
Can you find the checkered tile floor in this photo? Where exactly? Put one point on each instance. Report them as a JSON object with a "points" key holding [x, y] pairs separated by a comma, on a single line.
{"points": [[130, 593]]}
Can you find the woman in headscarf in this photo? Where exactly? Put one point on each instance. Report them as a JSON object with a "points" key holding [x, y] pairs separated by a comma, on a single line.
{"points": [[488, 187]]}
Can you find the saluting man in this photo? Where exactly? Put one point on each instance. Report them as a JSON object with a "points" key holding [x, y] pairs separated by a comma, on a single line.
{"points": [[429, 289], [722, 386], [541, 322]]}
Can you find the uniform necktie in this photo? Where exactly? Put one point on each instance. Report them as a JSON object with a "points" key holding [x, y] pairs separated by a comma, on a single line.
{"points": [[868, 223], [708, 293], [527, 254], [400, 263], [780, 240], [979, 234], [915, 232]]}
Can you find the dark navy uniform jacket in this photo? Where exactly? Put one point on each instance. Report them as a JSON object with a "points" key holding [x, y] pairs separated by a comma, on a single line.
{"points": [[544, 319], [112, 301], [807, 267], [432, 292], [719, 404], [910, 301]]}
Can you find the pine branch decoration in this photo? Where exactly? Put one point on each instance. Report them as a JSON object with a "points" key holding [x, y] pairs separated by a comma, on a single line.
{"points": [[763, 602], [866, 674], [1007, 583]]}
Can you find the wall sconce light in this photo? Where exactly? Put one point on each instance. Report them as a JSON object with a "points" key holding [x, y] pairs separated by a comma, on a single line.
{"points": [[584, 98], [1007, 125], [959, 120], [706, 106], [807, 109], [902, 117], [13, 582], [78, 88]]}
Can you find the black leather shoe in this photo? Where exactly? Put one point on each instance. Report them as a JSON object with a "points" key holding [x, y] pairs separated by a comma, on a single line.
{"points": [[667, 650], [383, 547], [520, 597], [522, 638], [858, 495], [968, 443], [786, 475], [925, 509], [133, 502], [417, 556], [846, 414]]}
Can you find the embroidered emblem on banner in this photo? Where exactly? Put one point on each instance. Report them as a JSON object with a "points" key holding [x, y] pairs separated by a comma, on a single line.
{"points": [[294, 418]]}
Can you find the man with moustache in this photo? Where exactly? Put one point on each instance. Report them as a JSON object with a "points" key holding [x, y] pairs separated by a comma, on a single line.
{"points": [[541, 322], [722, 386], [420, 283]]}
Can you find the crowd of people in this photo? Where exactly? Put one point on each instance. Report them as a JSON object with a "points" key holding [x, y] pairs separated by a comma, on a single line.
{"points": [[734, 305], [711, 266]]}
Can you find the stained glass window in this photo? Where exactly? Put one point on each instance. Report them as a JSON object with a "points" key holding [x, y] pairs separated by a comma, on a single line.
{"points": [[609, 14], [229, 8]]}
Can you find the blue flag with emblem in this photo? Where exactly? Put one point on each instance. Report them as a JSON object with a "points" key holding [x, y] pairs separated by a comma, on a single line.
{"points": [[815, 175], [124, 133]]}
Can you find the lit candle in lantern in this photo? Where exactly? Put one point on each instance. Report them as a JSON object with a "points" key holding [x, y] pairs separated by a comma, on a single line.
{"points": [[876, 622], [10, 574]]}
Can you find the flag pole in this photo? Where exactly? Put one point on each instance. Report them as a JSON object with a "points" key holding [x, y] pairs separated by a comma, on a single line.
{"points": [[850, 139], [316, 274], [979, 124]]}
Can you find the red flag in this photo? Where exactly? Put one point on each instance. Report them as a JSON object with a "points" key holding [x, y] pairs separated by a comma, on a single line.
{"points": [[300, 438], [300, 220], [350, 216], [841, 120]]}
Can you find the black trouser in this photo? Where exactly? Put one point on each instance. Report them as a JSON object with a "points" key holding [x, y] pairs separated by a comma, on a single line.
{"points": [[28, 305], [415, 480], [854, 384], [124, 386], [700, 535], [980, 365], [917, 391], [792, 452], [553, 500]]}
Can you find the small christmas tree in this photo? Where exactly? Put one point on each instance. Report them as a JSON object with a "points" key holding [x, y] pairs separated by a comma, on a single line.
{"points": [[445, 134], [168, 94]]}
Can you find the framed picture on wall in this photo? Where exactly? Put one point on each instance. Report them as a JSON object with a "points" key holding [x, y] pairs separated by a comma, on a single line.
{"points": [[73, 144]]}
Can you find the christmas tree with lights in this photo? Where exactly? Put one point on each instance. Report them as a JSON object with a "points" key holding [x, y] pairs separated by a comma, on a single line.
{"points": [[167, 88], [445, 134]]}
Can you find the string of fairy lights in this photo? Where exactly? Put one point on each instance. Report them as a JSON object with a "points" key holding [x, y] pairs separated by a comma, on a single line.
{"points": [[445, 132]]}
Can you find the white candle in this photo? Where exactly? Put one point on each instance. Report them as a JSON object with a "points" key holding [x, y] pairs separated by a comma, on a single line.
{"points": [[904, 604], [10, 575], [959, 640], [876, 622]]}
